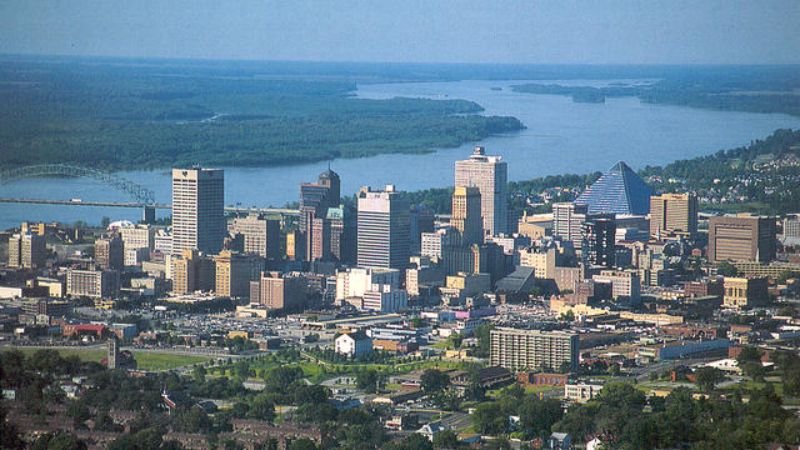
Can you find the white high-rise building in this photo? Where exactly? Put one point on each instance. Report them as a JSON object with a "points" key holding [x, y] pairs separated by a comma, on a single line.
{"points": [[568, 221], [490, 175], [198, 210], [385, 298], [383, 229], [354, 282], [138, 236]]}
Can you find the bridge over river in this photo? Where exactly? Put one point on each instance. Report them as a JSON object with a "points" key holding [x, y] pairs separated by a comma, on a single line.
{"points": [[141, 197]]}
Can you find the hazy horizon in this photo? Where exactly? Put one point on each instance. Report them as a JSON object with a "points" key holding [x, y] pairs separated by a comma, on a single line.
{"points": [[715, 32]]}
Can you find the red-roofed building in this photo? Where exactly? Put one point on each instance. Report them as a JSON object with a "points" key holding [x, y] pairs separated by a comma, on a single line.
{"points": [[84, 329]]}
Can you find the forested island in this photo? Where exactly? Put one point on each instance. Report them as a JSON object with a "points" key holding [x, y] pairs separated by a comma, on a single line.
{"points": [[772, 89], [154, 116]]}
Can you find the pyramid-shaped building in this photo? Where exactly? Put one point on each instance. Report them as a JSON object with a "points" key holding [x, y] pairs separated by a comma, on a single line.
{"points": [[618, 191]]}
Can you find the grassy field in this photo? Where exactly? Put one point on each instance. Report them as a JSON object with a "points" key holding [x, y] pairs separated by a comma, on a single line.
{"points": [[542, 389], [144, 360], [319, 371], [166, 361]]}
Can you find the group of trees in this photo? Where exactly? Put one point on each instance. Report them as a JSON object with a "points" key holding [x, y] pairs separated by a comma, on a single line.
{"points": [[329, 355], [370, 381], [536, 416], [443, 440], [626, 419]]}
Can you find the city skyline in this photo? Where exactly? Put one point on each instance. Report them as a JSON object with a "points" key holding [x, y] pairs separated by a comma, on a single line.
{"points": [[442, 254]]}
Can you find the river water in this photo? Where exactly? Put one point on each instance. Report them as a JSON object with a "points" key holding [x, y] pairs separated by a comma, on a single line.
{"points": [[561, 137]]}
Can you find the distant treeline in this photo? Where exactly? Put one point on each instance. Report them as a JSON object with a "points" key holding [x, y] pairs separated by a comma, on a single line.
{"points": [[771, 89]]}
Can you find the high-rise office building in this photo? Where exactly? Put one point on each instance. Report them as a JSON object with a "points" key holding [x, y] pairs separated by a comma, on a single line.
{"points": [[315, 201], [543, 261], [331, 180], [434, 244], [198, 210], [568, 222], [385, 299], [518, 350], [93, 283], [335, 247], [421, 220], [624, 283], [234, 272], [741, 293], [261, 235], [490, 175], [355, 281], [33, 228], [138, 236], [162, 242], [673, 214], [618, 191], [320, 233], [26, 250], [791, 226], [282, 292], [192, 271], [383, 229], [466, 214], [109, 253], [743, 238], [599, 247]]}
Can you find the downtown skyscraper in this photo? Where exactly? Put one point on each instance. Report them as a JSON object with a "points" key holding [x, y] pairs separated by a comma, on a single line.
{"points": [[466, 214], [673, 214], [383, 229], [490, 175], [198, 210]]}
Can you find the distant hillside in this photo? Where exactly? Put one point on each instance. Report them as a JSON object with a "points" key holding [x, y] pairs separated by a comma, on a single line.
{"points": [[761, 177]]}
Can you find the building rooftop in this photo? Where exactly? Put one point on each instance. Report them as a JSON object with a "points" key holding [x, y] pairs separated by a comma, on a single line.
{"points": [[618, 191], [521, 280]]}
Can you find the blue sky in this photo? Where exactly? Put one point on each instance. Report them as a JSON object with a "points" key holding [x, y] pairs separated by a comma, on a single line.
{"points": [[491, 31]]}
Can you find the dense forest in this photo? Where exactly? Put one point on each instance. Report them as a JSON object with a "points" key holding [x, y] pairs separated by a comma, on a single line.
{"points": [[123, 117]]}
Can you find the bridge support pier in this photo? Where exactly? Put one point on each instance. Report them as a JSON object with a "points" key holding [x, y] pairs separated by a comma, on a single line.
{"points": [[149, 215]]}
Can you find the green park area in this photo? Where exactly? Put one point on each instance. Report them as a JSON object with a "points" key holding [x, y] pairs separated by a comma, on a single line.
{"points": [[317, 369], [152, 361]]}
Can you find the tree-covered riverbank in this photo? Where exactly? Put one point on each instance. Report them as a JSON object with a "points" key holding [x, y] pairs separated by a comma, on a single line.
{"points": [[143, 117]]}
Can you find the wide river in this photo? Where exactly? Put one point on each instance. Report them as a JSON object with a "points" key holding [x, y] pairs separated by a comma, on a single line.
{"points": [[561, 137]]}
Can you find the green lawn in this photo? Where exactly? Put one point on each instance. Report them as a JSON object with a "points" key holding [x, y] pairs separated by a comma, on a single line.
{"points": [[541, 389], [144, 360], [442, 345], [319, 371], [750, 385], [85, 354], [166, 361]]}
